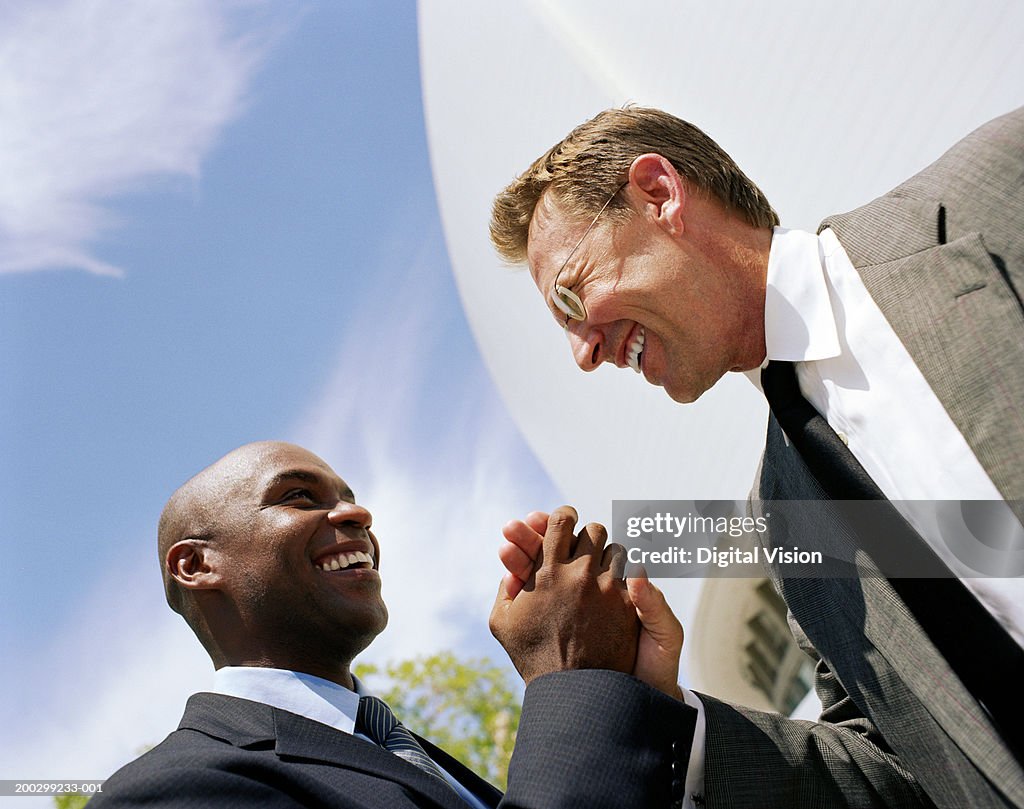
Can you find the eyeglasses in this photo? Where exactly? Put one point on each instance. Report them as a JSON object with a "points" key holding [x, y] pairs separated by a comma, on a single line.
{"points": [[567, 301]]}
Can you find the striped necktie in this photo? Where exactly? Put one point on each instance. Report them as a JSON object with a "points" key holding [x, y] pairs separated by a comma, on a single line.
{"points": [[376, 721]]}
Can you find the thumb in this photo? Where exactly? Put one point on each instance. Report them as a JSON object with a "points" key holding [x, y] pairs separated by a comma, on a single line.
{"points": [[508, 589], [661, 637], [655, 615]]}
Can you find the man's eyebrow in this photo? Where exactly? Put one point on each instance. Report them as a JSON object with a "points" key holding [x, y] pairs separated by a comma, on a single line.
{"points": [[293, 474], [306, 477]]}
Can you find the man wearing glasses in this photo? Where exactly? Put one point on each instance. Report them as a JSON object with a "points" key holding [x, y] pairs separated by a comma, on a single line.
{"points": [[891, 349]]}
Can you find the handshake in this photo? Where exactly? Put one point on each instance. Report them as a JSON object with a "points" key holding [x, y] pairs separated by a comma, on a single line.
{"points": [[563, 604]]}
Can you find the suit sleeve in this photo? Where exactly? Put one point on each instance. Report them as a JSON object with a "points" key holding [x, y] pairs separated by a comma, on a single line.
{"points": [[764, 759], [598, 739]]}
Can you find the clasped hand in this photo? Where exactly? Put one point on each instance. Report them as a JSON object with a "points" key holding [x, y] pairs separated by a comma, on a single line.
{"points": [[564, 605]]}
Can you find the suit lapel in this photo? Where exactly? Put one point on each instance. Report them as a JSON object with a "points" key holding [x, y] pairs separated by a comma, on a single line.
{"points": [[298, 737], [958, 319], [487, 793], [244, 723]]}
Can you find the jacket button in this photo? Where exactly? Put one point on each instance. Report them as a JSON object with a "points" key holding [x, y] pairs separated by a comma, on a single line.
{"points": [[678, 789]]}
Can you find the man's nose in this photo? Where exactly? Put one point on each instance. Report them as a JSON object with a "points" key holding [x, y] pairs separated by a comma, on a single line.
{"points": [[586, 344], [352, 513]]}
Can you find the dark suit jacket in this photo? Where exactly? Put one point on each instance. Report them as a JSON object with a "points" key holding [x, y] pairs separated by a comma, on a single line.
{"points": [[586, 739], [943, 257]]}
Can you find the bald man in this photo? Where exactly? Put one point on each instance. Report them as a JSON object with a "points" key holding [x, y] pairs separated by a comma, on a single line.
{"points": [[270, 559]]}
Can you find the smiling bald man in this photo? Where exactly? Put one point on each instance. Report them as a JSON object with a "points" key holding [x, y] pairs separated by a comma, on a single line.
{"points": [[272, 562]]}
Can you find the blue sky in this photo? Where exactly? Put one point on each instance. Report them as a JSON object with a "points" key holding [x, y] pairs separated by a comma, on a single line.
{"points": [[220, 226]]}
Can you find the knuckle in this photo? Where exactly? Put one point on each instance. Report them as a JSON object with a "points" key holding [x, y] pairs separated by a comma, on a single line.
{"points": [[579, 569], [563, 517], [546, 577], [496, 621]]}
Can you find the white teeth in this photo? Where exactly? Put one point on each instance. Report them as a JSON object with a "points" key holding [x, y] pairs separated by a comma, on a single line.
{"points": [[341, 561], [636, 348]]}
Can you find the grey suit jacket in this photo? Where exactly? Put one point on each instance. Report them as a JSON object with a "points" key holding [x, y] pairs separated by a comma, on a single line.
{"points": [[586, 738], [943, 257]]}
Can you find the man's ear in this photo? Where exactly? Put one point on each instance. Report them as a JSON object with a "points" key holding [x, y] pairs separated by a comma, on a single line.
{"points": [[193, 564], [660, 191]]}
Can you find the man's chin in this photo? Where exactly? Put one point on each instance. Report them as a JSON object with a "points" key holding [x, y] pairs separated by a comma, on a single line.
{"points": [[688, 391], [683, 395], [362, 635]]}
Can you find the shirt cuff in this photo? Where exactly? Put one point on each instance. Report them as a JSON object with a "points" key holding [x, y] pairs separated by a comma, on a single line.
{"points": [[695, 766]]}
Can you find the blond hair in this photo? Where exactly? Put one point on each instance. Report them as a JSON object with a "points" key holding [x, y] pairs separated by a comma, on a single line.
{"points": [[586, 167]]}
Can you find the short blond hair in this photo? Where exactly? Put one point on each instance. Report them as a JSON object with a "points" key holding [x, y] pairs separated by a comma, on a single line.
{"points": [[586, 167]]}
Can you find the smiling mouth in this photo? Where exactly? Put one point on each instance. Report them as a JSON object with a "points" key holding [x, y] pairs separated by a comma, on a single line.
{"points": [[345, 560], [636, 350]]}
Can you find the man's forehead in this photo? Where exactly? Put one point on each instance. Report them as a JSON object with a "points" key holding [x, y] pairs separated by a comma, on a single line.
{"points": [[260, 465]]}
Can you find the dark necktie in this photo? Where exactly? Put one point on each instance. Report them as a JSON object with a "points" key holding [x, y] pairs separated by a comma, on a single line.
{"points": [[376, 721], [984, 656]]}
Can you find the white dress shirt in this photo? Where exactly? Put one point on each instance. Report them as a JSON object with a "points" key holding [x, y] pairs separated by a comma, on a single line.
{"points": [[312, 697], [857, 374]]}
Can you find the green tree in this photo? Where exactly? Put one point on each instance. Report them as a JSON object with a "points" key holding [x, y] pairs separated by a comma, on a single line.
{"points": [[70, 801], [468, 707]]}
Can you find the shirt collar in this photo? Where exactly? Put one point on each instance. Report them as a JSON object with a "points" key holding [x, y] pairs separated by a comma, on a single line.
{"points": [[302, 694], [799, 323]]}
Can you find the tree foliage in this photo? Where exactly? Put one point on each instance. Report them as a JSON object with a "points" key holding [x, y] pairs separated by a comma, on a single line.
{"points": [[467, 707], [70, 801]]}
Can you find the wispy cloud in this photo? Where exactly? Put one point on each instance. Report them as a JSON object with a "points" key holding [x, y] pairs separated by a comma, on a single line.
{"points": [[98, 97]]}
